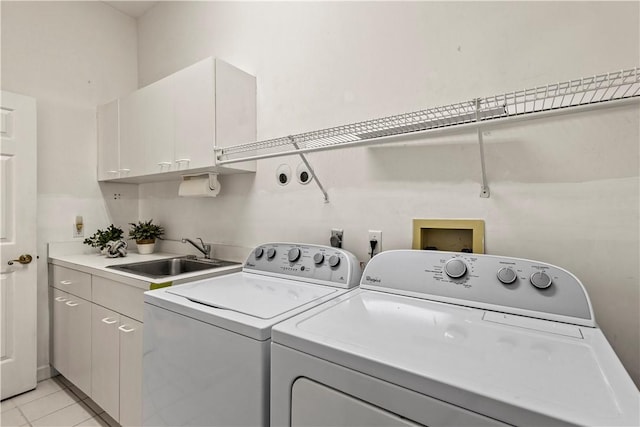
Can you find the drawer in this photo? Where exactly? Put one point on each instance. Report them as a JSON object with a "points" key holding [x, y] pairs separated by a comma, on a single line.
{"points": [[116, 296], [73, 281]]}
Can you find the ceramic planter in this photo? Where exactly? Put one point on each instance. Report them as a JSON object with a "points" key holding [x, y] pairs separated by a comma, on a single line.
{"points": [[146, 246]]}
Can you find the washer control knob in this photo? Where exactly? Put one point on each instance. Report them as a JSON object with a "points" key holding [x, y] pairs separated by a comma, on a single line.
{"points": [[540, 280], [294, 254], [271, 252], [318, 258], [258, 253], [455, 268], [506, 275], [334, 260]]}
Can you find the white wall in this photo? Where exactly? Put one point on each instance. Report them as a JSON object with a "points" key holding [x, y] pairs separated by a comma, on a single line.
{"points": [[69, 56], [563, 190]]}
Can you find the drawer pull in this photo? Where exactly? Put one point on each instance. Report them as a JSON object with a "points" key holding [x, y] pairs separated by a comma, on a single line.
{"points": [[109, 320], [61, 299], [65, 282], [124, 328], [72, 303]]}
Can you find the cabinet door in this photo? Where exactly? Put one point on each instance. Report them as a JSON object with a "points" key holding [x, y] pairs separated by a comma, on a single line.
{"points": [[194, 114], [105, 359], [130, 372], [155, 122], [131, 148], [108, 141], [79, 340], [59, 341]]}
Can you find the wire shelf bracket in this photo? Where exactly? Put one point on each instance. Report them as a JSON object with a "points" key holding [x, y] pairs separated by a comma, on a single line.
{"points": [[588, 93], [311, 171]]}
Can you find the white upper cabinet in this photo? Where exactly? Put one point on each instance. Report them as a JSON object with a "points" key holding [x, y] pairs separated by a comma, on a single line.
{"points": [[174, 125], [195, 106]]}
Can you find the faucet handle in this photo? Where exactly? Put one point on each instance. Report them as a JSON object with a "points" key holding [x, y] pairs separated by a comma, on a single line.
{"points": [[207, 248]]}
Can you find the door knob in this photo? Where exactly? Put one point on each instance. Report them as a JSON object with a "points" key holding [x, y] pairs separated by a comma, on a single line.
{"points": [[23, 259]]}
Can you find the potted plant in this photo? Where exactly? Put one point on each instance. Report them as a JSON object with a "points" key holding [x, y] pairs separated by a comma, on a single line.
{"points": [[145, 234], [100, 238]]}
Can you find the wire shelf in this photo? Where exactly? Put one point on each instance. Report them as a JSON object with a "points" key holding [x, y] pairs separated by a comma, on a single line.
{"points": [[595, 90]]}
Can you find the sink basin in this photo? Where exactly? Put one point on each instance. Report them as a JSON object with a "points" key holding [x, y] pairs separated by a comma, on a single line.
{"points": [[171, 266]]}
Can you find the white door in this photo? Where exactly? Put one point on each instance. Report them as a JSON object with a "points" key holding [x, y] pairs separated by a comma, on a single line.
{"points": [[18, 281]]}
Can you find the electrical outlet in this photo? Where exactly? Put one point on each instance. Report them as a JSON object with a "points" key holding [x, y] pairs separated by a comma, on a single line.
{"points": [[336, 237], [375, 235]]}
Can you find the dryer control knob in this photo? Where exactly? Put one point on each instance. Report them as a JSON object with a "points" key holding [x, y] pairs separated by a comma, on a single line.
{"points": [[271, 252], [294, 254], [455, 268], [258, 253], [334, 260], [506, 275], [318, 258], [540, 280]]}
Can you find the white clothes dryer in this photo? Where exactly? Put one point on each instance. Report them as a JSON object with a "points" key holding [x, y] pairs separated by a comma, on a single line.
{"points": [[451, 339], [207, 343]]}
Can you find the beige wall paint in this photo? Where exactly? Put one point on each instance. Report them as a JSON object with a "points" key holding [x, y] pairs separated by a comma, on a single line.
{"points": [[564, 190], [69, 56]]}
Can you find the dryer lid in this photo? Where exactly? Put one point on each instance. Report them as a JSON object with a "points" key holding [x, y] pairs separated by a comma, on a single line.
{"points": [[256, 296]]}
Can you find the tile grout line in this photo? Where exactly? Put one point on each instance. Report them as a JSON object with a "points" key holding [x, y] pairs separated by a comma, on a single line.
{"points": [[86, 419], [23, 415], [51, 413]]}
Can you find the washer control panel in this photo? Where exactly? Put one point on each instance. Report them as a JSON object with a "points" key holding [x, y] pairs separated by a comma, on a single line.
{"points": [[513, 285], [306, 262]]}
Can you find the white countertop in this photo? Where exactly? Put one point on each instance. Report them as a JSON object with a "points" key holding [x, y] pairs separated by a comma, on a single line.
{"points": [[96, 264]]}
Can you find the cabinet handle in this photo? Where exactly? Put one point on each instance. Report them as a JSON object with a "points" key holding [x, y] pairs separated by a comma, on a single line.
{"points": [[72, 303], [65, 282], [109, 320], [163, 164], [124, 328], [113, 172], [61, 299], [179, 162]]}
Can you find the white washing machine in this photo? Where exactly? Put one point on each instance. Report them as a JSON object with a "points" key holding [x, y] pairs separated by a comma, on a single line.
{"points": [[447, 339], [207, 343]]}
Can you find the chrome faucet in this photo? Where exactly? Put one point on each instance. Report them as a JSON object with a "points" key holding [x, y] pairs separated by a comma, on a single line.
{"points": [[205, 249]]}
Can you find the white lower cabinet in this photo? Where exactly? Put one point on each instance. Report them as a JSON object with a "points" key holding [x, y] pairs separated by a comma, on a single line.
{"points": [[130, 372], [97, 344], [116, 372], [105, 360], [72, 338]]}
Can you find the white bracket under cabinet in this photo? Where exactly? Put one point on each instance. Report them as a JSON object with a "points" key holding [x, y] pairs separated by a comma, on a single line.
{"points": [[587, 93], [172, 127]]}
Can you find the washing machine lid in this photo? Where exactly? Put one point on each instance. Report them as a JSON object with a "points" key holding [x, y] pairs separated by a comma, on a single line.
{"points": [[252, 295], [499, 365]]}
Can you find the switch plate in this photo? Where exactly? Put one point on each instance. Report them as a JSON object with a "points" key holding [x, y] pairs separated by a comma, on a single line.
{"points": [[377, 236]]}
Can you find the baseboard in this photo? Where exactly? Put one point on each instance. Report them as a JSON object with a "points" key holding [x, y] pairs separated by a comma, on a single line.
{"points": [[46, 372]]}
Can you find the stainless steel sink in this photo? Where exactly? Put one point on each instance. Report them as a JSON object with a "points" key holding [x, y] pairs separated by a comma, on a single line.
{"points": [[171, 266]]}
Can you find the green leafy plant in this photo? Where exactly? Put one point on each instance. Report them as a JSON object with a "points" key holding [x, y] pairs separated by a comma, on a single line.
{"points": [[100, 238], [145, 230]]}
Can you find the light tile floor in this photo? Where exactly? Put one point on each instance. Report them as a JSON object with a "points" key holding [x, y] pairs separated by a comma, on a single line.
{"points": [[54, 402]]}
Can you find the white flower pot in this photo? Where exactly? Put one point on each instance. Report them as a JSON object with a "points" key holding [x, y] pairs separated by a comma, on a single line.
{"points": [[146, 247]]}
